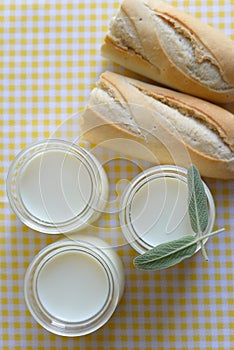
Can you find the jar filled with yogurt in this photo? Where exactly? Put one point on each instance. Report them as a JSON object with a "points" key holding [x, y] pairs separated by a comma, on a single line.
{"points": [[55, 186], [73, 286]]}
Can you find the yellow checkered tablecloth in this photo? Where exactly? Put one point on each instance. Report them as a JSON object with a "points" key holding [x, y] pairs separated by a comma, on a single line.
{"points": [[50, 59]]}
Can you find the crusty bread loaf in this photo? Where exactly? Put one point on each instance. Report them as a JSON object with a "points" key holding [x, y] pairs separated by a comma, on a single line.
{"points": [[160, 125], [173, 48]]}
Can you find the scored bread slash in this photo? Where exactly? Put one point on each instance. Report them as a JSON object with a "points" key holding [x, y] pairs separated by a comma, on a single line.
{"points": [[173, 48], [160, 125]]}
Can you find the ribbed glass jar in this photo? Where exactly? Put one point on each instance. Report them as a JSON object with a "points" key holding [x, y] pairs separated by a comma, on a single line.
{"points": [[55, 186], [154, 208], [72, 287]]}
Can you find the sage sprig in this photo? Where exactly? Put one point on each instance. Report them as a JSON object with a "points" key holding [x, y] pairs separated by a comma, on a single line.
{"points": [[197, 204], [170, 253]]}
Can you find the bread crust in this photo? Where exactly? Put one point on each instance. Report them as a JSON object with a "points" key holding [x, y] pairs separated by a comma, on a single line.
{"points": [[161, 145], [161, 67]]}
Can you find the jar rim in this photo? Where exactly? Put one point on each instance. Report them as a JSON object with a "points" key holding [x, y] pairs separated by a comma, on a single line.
{"points": [[50, 322], [93, 167], [155, 172]]}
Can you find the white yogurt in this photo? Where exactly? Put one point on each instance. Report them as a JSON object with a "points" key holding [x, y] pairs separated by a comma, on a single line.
{"points": [[55, 186], [73, 286], [159, 211]]}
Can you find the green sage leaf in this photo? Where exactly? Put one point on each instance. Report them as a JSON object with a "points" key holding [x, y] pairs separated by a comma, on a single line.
{"points": [[167, 254], [198, 209]]}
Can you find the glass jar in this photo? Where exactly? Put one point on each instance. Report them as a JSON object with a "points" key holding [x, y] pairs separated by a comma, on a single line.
{"points": [[154, 208], [55, 186], [72, 287]]}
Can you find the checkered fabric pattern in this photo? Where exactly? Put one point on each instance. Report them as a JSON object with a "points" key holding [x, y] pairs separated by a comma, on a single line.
{"points": [[49, 61]]}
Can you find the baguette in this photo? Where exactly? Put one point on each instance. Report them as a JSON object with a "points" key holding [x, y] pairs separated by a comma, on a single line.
{"points": [[159, 125], [173, 48]]}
